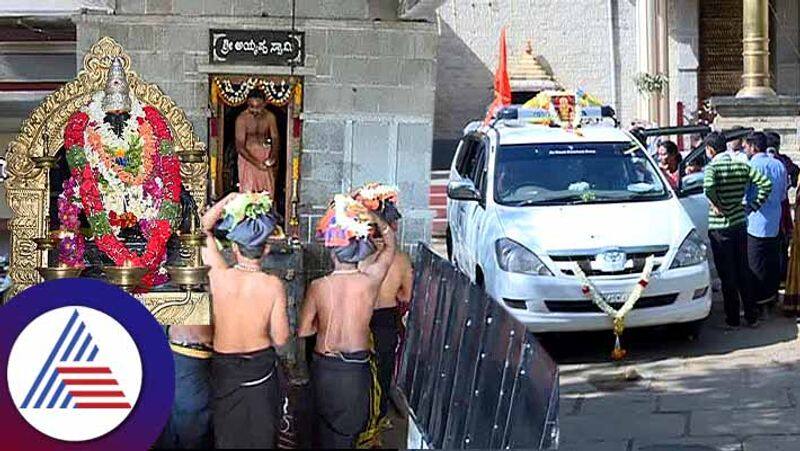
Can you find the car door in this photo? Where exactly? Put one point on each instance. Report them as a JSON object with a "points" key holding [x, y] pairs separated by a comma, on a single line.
{"points": [[690, 191], [452, 204], [474, 211], [456, 208], [695, 202]]}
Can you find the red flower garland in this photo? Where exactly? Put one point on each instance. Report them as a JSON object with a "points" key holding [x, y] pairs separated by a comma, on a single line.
{"points": [[157, 231], [73, 133]]}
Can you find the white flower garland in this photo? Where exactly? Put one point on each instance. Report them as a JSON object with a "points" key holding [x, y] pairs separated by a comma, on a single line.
{"points": [[116, 195], [344, 220], [618, 315], [377, 191], [131, 128]]}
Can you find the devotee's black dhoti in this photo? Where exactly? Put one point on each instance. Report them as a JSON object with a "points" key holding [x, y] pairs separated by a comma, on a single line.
{"points": [[189, 425], [342, 397], [384, 326], [246, 399]]}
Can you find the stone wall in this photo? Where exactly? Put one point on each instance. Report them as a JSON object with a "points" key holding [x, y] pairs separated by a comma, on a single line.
{"points": [[368, 85], [786, 20], [572, 37]]}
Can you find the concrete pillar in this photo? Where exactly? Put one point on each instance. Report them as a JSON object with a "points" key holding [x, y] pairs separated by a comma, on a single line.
{"points": [[662, 59], [644, 28], [755, 79], [653, 56]]}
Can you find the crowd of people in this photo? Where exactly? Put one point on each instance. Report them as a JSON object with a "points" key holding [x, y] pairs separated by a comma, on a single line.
{"points": [[747, 183], [227, 390]]}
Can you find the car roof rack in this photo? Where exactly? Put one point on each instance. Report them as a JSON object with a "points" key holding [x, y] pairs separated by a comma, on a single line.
{"points": [[589, 114]]}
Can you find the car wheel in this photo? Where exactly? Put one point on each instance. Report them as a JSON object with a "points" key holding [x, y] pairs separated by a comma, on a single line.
{"points": [[690, 330]]}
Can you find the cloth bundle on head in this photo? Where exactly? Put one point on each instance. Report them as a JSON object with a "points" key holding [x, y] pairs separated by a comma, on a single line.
{"points": [[248, 221], [346, 230], [382, 199]]}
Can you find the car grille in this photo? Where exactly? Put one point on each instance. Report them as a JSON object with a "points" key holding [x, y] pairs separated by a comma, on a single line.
{"points": [[590, 307], [634, 264]]}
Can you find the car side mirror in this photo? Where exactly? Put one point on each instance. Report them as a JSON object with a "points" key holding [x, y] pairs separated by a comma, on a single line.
{"points": [[463, 190], [691, 184]]}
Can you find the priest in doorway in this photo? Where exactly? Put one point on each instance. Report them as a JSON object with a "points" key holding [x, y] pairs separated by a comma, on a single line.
{"points": [[258, 145]]}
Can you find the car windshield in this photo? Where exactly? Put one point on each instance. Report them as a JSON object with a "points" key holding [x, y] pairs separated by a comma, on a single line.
{"points": [[573, 173]]}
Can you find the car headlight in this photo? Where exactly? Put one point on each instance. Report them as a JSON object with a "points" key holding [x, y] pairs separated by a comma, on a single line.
{"points": [[514, 257], [693, 251]]}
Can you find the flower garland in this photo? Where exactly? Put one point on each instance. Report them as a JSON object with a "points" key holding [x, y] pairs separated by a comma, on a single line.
{"points": [[345, 220], [111, 203], [589, 289], [277, 94], [128, 156], [372, 195], [248, 205]]}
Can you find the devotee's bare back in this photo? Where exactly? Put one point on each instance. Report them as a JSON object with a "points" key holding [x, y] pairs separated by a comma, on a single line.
{"points": [[243, 304], [344, 309]]}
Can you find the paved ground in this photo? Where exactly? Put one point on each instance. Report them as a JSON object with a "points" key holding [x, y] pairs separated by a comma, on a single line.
{"points": [[725, 390]]}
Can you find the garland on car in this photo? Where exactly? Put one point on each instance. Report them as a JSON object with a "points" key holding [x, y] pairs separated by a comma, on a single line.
{"points": [[589, 289]]}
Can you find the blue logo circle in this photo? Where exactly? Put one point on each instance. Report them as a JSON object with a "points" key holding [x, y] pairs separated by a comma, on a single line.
{"points": [[85, 366]]}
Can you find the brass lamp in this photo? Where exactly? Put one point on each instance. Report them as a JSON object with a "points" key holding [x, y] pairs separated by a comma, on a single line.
{"points": [[126, 276], [45, 161], [193, 275]]}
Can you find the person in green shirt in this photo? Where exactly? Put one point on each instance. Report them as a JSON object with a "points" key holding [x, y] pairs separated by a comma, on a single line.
{"points": [[725, 182]]}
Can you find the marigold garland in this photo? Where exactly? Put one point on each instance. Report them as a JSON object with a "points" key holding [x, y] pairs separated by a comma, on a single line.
{"points": [[589, 289]]}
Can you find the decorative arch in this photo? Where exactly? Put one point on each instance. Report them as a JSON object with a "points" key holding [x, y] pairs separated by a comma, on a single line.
{"points": [[42, 134]]}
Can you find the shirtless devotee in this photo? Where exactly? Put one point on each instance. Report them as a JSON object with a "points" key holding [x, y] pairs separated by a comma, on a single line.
{"points": [[189, 424], [250, 319], [338, 309], [258, 144], [395, 290]]}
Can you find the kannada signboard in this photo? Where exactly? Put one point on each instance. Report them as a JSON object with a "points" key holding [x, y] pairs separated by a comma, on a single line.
{"points": [[257, 47]]}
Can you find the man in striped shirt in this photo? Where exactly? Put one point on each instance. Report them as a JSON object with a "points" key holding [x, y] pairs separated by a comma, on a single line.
{"points": [[725, 183]]}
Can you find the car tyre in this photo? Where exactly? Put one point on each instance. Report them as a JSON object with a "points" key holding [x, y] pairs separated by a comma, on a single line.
{"points": [[691, 330]]}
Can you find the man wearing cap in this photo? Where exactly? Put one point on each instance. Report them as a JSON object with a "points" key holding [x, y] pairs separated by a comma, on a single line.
{"points": [[338, 309], [250, 319]]}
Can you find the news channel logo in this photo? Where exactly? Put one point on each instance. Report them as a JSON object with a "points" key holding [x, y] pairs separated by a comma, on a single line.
{"points": [[87, 367]]}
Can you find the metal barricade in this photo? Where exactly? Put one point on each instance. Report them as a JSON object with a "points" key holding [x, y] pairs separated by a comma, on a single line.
{"points": [[471, 375]]}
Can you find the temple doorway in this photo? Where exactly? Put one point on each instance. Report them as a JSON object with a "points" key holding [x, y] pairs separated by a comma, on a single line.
{"points": [[228, 99]]}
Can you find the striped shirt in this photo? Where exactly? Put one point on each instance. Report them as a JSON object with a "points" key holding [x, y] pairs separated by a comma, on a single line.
{"points": [[725, 183]]}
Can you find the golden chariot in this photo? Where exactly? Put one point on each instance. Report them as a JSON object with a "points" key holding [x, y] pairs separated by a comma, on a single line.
{"points": [[31, 155]]}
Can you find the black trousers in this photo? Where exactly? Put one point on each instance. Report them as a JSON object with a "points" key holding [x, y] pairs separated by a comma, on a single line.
{"points": [[246, 399], [385, 333], [730, 257], [341, 398], [763, 264], [783, 253], [189, 425]]}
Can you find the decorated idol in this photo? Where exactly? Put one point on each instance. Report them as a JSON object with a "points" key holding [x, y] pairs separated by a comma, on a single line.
{"points": [[124, 181]]}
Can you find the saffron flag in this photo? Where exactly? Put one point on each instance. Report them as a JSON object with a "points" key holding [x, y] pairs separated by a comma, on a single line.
{"points": [[502, 85]]}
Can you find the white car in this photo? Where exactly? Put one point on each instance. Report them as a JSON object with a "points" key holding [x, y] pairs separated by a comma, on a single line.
{"points": [[527, 202]]}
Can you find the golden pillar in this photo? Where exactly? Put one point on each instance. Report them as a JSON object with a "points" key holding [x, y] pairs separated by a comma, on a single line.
{"points": [[755, 78]]}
